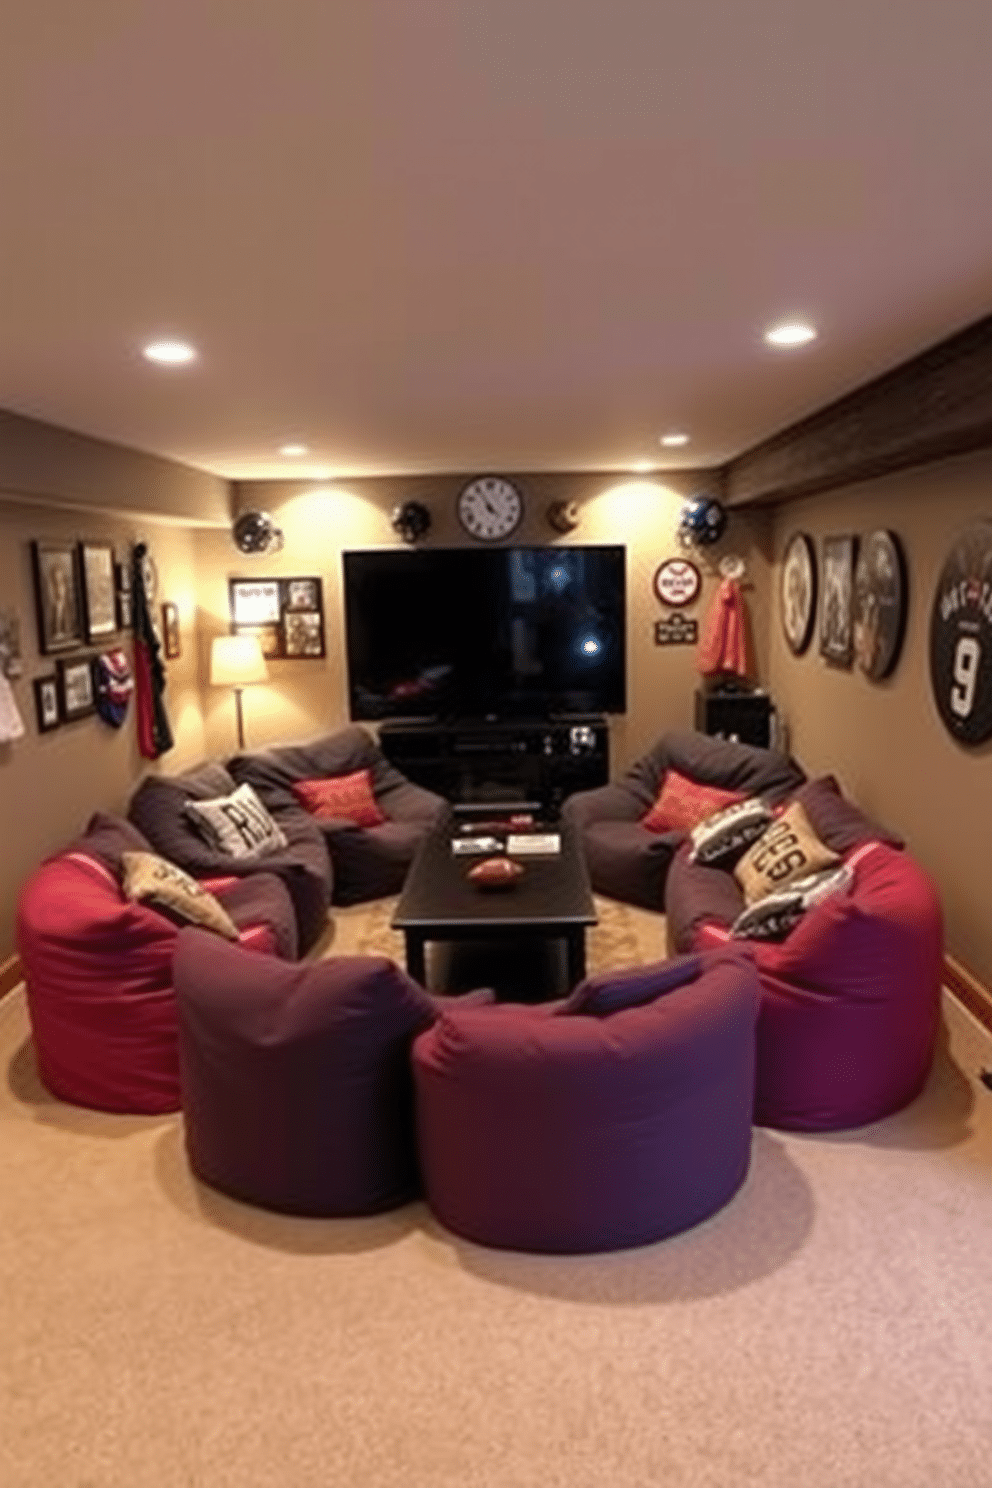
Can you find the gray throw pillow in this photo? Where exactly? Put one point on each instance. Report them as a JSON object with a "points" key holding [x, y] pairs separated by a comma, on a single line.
{"points": [[237, 825], [721, 839], [778, 913]]}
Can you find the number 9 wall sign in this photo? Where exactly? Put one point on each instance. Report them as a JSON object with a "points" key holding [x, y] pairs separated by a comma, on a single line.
{"points": [[961, 637]]}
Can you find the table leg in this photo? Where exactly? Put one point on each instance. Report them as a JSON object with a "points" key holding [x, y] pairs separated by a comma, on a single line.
{"points": [[575, 944], [416, 961]]}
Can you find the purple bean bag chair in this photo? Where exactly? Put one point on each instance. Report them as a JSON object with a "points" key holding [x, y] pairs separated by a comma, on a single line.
{"points": [[296, 1085], [850, 999], [609, 1120]]}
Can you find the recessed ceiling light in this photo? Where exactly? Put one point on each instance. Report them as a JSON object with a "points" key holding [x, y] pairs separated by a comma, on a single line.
{"points": [[790, 333], [293, 451], [674, 440], [169, 353]]}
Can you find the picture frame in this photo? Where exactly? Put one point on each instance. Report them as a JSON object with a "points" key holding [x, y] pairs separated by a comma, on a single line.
{"points": [[46, 703], [880, 598], [56, 591], [77, 693], [125, 610], [677, 582], [96, 570], [287, 615], [837, 614], [797, 592], [172, 643]]}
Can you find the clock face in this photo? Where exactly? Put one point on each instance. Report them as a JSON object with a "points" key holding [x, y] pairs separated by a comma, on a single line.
{"points": [[490, 507]]}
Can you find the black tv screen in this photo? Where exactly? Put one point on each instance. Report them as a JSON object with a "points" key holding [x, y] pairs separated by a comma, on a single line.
{"points": [[483, 633]]}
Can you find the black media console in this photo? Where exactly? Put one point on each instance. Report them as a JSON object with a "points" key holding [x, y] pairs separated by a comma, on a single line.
{"points": [[482, 761]]}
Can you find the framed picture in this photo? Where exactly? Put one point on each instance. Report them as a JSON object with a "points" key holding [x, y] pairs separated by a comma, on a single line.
{"points": [[287, 615], [836, 621], [879, 604], [56, 592], [255, 601], [96, 566], [75, 686], [46, 703], [172, 643], [797, 596], [677, 582], [122, 574]]}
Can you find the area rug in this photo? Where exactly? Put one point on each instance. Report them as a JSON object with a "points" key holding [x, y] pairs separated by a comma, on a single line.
{"points": [[623, 936]]}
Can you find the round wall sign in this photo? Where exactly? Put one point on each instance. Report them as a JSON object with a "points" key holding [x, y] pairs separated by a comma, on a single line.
{"points": [[677, 582], [798, 593], [961, 637], [879, 604]]}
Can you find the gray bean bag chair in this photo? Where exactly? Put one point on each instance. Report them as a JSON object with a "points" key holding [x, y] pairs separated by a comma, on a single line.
{"points": [[370, 857], [629, 861]]}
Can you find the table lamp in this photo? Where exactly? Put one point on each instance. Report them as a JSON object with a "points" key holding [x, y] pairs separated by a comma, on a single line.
{"points": [[237, 661]]}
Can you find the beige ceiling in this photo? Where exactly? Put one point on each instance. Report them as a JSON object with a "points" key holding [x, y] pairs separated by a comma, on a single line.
{"points": [[452, 235]]}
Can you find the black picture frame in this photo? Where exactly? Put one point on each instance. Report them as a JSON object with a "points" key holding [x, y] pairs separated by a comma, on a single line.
{"points": [[287, 615], [46, 703], [172, 642], [880, 601], [125, 611], [837, 610], [797, 592], [98, 588], [76, 687], [56, 592]]}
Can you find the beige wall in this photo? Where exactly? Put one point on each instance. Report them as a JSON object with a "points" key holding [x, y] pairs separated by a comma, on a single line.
{"points": [[320, 521], [885, 741]]}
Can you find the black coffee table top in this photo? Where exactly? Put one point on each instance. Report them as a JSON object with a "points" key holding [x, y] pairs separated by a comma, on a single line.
{"points": [[552, 891]]}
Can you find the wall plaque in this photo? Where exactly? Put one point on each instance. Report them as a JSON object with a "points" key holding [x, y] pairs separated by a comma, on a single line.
{"points": [[961, 637], [676, 630]]}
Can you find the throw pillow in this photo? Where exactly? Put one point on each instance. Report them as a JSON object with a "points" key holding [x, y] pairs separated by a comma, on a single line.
{"points": [[786, 850], [683, 803], [237, 825], [611, 991], [721, 839], [342, 796], [774, 916], [161, 885]]}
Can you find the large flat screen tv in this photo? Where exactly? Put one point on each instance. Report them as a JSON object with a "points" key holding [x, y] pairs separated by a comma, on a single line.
{"points": [[485, 632]]}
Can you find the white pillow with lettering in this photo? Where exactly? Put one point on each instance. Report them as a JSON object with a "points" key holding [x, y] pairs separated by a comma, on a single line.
{"points": [[237, 825]]}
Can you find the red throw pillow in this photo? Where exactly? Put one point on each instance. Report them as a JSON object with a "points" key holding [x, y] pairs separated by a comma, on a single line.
{"points": [[683, 803], [348, 796]]}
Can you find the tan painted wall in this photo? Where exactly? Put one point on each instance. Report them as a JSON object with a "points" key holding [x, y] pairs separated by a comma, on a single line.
{"points": [[885, 741], [320, 521]]}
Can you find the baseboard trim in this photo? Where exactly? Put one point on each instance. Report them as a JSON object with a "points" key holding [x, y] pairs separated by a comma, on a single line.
{"points": [[969, 991], [11, 974]]}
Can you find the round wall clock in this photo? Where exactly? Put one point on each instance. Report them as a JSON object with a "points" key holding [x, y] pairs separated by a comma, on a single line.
{"points": [[677, 582], [961, 637], [490, 507], [879, 604], [798, 593]]}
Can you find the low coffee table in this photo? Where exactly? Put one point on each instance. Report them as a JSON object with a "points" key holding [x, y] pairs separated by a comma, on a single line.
{"points": [[552, 899]]}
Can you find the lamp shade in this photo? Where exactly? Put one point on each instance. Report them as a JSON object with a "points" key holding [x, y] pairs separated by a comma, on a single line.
{"points": [[237, 660]]}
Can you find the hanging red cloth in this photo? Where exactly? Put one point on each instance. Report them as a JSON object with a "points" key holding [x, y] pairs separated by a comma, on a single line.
{"points": [[723, 642]]}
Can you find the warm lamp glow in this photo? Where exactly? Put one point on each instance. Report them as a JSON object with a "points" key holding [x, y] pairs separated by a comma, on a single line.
{"points": [[237, 660]]}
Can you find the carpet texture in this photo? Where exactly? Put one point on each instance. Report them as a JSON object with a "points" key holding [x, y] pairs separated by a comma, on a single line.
{"points": [[830, 1328]]}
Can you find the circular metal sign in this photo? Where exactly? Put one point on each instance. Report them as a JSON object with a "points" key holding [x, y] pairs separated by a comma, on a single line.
{"points": [[677, 582], [961, 637], [879, 604], [798, 592]]}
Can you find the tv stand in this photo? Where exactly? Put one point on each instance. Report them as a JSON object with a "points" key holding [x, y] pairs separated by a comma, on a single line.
{"points": [[484, 761]]}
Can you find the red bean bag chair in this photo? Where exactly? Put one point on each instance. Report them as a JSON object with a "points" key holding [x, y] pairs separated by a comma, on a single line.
{"points": [[98, 971], [850, 999]]}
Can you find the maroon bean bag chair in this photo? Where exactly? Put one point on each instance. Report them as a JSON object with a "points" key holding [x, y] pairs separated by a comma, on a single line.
{"points": [[296, 1081], [98, 971], [615, 1118], [850, 999]]}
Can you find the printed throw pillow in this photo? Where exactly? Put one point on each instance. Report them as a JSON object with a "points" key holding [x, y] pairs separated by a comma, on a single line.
{"points": [[683, 803], [721, 839], [787, 850], [774, 916], [161, 885], [237, 825], [347, 796]]}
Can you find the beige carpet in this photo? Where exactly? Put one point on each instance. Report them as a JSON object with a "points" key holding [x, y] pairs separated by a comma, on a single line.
{"points": [[831, 1328]]}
